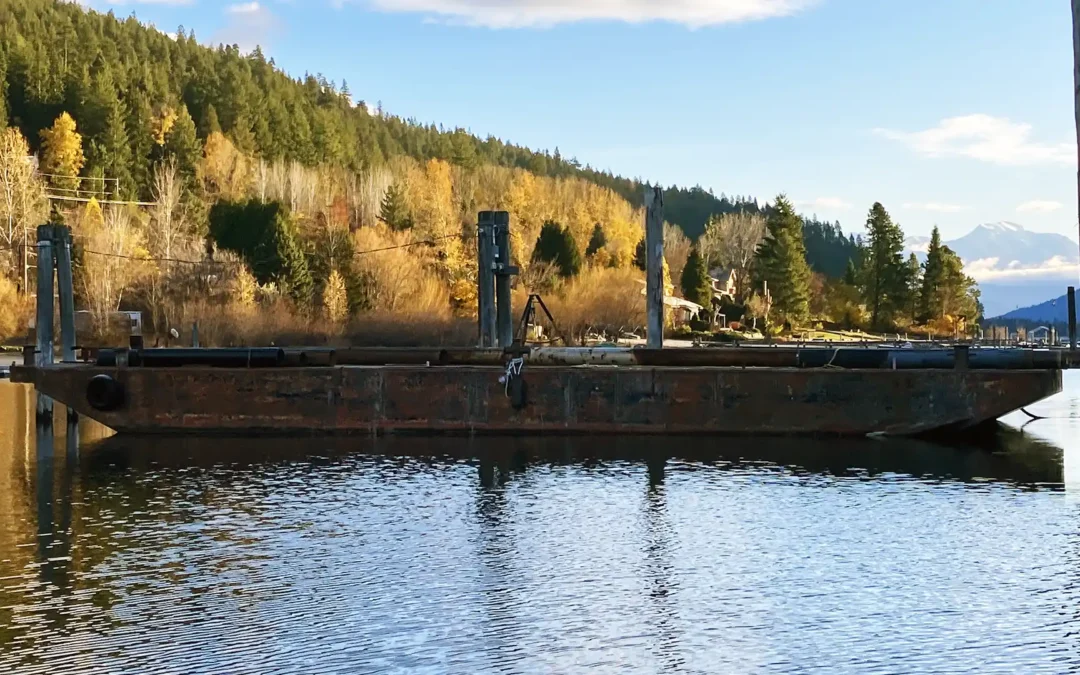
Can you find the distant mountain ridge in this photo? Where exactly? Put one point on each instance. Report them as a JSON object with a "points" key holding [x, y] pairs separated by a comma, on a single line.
{"points": [[1014, 266], [1051, 311]]}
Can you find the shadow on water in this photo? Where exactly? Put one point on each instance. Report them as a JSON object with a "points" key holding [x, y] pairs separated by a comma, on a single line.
{"points": [[1009, 455]]}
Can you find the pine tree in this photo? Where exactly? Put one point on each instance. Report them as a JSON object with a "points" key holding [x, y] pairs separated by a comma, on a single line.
{"points": [[596, 242], [116, 150], [140, 132], [394, 211], [62, 153], [851, 274], [695, 282], [913, 277], [885, 275], [931, 302], [210, 122], [556, 245], [182, 142], [781, 261]]}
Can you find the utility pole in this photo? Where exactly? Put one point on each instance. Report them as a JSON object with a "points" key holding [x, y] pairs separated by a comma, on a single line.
{"points": [[654, 267]]}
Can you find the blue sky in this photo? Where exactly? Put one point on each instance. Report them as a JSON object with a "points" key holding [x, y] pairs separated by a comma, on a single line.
{"points": [[950, 112]]}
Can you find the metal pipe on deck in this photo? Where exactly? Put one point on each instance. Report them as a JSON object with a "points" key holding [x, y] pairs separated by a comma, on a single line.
{"points": [[265, 357]]}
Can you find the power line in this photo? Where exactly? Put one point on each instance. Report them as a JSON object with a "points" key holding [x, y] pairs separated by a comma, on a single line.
{"points": [[112, 202]]}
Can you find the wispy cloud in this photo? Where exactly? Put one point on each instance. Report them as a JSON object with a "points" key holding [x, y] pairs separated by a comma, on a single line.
{"points": [[250, 25], [936, 207], [991, 269], [543, 13], [1039, 206], [826, 204], [244, 8], [996, 140]]}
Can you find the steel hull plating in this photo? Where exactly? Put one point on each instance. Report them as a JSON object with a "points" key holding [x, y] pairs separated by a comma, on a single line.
{"points": [[387, 399]]}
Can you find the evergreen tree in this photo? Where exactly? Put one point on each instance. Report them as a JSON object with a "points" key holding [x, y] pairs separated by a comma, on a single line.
{"points": [[210, 123], [885, 275], [781, 261], [556, 245], [695, 282], [640, 260], [394, 211], [182, 142], [597, 241], [140, 132], [931, 302], [913, 276], [116, 152], [851, 274]]}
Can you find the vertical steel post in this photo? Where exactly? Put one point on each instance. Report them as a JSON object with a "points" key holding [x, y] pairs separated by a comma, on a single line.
{"points": [[66, 290], [485, 277], [44, 319], [1072, 318], [503, 271], [654, 268]]}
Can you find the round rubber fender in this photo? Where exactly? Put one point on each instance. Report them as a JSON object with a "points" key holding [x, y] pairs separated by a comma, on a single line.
{"points": [[104, 393]]}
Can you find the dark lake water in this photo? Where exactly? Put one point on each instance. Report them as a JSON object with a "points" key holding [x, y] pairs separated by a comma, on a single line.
{"points": [[589, 555]]}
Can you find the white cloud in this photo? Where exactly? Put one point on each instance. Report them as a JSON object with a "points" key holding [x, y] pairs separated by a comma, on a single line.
{"points": [[115, 3], [996, 140], [250, 25], [990, 269], [936, 207], [826, 204], [244, 8], [524, 13], [1039, 206]]}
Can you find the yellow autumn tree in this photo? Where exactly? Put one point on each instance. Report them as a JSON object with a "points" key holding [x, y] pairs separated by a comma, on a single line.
{"points": [[62, 153], [225, 170], [335, 298]]}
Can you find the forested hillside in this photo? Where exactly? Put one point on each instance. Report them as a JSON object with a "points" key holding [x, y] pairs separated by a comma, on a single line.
{"points": [[120, 80], [202, 182]]}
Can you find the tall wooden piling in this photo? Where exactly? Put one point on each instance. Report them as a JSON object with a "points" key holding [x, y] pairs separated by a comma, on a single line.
{"points": [[1076, 88], [654, 268], [1072, 318], [503, 271], [44, 318], [485, 278]]}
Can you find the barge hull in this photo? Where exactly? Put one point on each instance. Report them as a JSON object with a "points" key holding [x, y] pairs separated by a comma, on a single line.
{"points": [[395, 399]]}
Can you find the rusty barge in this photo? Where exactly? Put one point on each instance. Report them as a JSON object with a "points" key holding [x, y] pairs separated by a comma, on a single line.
{"points": [[779, 391]]}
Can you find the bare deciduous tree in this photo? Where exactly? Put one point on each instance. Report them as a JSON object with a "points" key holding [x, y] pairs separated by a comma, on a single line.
{"points": [[730, 242], [22, 202], [676, 249]]}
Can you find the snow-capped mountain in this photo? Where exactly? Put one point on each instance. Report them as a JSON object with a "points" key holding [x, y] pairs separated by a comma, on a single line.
{"points": [[1014, 266]]}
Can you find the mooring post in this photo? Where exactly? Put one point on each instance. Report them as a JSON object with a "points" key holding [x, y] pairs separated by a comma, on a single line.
{"points": [[654, 267], [195, 334], [66, 289], [44, 319], [485, 278], [1072, 318], [503, 271]]}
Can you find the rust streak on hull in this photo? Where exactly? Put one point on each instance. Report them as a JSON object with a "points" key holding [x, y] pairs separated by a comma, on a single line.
{"points": [[387, 399]]}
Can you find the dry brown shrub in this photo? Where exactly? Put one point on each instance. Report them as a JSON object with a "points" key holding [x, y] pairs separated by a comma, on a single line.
{"points": [[15, 311], [600, 300]]}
